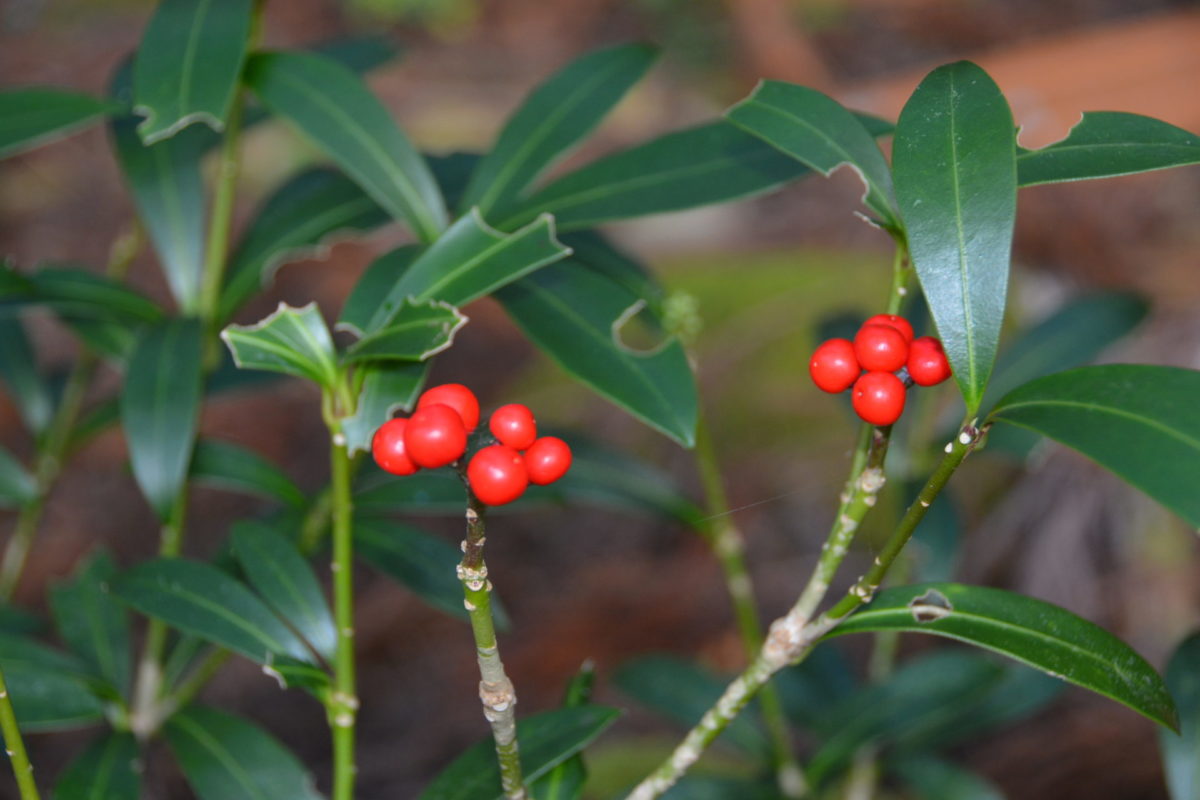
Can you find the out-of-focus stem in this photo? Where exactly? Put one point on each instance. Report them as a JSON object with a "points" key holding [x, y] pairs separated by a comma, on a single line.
{"points": [[15, 745], [342, 704]]}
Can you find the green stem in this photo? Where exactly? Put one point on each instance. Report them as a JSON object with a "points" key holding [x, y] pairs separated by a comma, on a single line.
{"points": [[342, 703], [902, 274], [496, 691], [187, 690], [22, 768], [793, 636], [216, 252], [727, 543]]}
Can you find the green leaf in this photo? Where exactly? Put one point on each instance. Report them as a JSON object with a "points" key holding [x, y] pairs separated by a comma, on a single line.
{"points": [[16, 620], [30, 117], [333, 107], [387, 386], [18, 369], [913, 698], [298, 221], [376, 282], [188, 65], [557, 115], [228, 758], [75, 293], [293, 674], [699, 166], [17, 485], [819, 132], [468, 261], [1137, 420], [1073, 335], [49, 689], [294, 341], [547, 739], [936, 543], [1181, 752], [110, 768], [361, 53], [1104, 144], [92, 623], [203, 600], [277, 571], [572, 312], [956, 185], [1031, 631], [934, 779], [416, 332], [808, 690], [682, 691], [168, 192], [159, 406], [705, 788], [423, 563], [233, 467], [566, 781]]}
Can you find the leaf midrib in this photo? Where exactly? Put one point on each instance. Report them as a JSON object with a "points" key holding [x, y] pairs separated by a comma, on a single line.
{"points": [[1170, 432]]}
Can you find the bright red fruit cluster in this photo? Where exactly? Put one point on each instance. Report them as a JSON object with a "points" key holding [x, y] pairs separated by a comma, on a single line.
{"points": [[882, 361], [437, 433]]}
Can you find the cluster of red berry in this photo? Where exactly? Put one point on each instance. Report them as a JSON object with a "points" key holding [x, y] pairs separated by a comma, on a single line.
{"points": [[881, 363], [436, 436]]}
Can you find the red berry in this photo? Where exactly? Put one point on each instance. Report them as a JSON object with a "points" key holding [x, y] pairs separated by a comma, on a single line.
{"points": [[514, 426], [899, 323], [497, 475], [834, 367], [547, 460], [927, 364], [387, 446], [435, 436], [458, 397], [880, 348], [878, 398]]}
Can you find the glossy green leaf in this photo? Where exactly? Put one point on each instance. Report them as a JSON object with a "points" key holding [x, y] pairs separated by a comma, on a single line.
{"points": [[1137, 420], [547, 739], [553, 118], [188, 65], [167, 187], [416, 332], [427, 492], [277, 571], [470, 260], [333, 107], [1104, 144], [373, 286], [819, 132], [30, 117], [1034, 632], [203, 600], [91, 621], [294, 341], [572, 312], [17, 485], [419, 561], [934, 779], [566, 781], [228, 758], [954, 164], [49, 689], [293, 674], [1073, 335], [452, 171], [682, 691], [159, 406], [699, 166], [915, 696], [18, 369], [109, 769], [233, 467], [1181, 751], [298, 221], [386, 387], [75, 293]]}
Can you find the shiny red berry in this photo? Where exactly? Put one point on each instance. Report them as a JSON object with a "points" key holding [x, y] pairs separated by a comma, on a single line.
{"points": [[547, 460], [497, 475], [435, 436], [878, 398], [927, 363], [458, 397], [387, 446], [880, 348], [833, 366], [514, 426], [899, 323]]}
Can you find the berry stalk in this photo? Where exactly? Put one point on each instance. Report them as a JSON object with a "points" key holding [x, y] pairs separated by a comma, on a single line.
{"points": [[496, 691]]}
